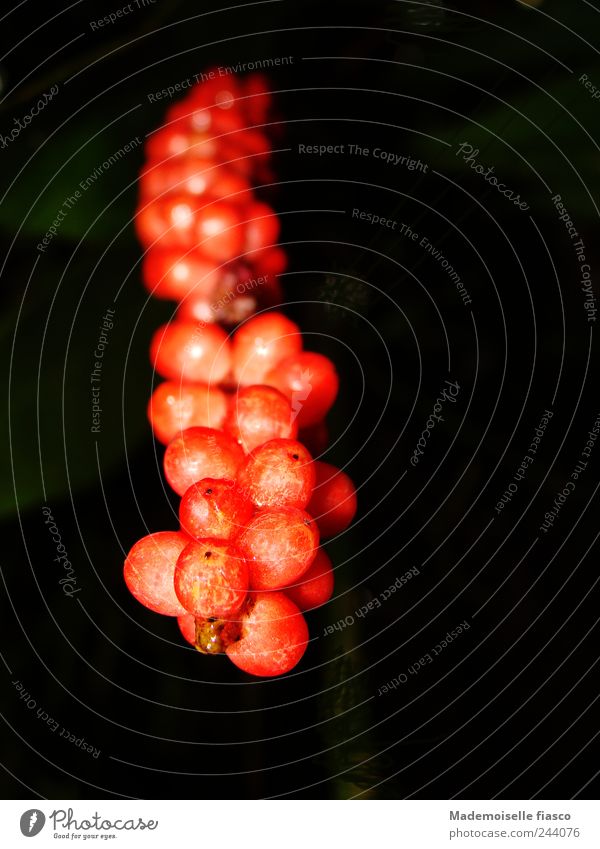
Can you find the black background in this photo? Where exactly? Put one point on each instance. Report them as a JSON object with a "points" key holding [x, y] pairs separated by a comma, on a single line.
{"points": [[507, 709]]}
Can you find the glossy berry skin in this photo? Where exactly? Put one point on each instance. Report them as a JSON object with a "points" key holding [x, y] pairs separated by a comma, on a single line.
{"points": [[333, 502], [201, 452], [174, 274], [211, 579], [279, 544], [149, 569], [215, 508], [187, 626], [175, 406], [279, 473], [261, 343], [311, 383], [258, 414], [191, 351], [315, 587], [273, 637]]}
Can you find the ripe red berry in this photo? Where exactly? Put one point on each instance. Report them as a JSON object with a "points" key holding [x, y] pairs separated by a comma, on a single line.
{"points": [[279, 544], [315, 437], [199, 177], [201, 452], [311, 383], [269, 262], [176, 139], [258, 414], [174, 407], [218, 229], [315, 587], [187, 626], [191, 351], [273, 637], [167, 273], [279, 473], [333, 502], [211, 579], [216, 89], [262, 228], [258, 98], [214, 508], [149, 569], [261, 343], [168, 222]]}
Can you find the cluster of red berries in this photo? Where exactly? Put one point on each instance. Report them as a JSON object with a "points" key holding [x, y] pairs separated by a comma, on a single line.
{"points": [[236, 411], [208, 239]]}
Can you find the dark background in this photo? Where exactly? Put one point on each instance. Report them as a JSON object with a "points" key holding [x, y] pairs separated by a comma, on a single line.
{"points": [[508, 709]]}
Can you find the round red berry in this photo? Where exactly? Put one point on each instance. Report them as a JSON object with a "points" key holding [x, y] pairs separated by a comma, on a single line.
{"points": [[262, 228], [258, 414], [171, 274], [261, 343], [201, 452], [219, 232], [311, 383], [279, 473], [273, 637], [315, 437], [211, 579], [257, 102], [149, 569], [196, 176], [333, 502], [174, 407], [214, 508], [315, 587], [279, 544], [191, 351]]}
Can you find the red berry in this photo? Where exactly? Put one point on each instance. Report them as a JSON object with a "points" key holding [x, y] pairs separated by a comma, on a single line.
{"points": [[333, 502], [173, 220], [167, 273], [200, 177], [258, 414], [214, 508], [176, 140], [270, 262], [201, 452], [273, 638], [315, 437], [218, 231], [278, 473], [215, 89], [279, 544], [261, 343], [258, 98], [311, 383], [262, 228], [187, 626], [149, 570], [315, 587], [175, 407], [191, 351], [211, 579]]}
